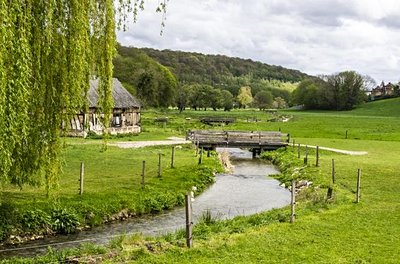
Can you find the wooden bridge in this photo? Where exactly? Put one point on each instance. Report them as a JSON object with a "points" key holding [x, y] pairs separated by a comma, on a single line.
{"points": [[258, 141], [217, 120]]}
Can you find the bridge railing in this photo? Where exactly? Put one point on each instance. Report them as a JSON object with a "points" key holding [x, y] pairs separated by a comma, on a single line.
{"points": [[237, 137]]}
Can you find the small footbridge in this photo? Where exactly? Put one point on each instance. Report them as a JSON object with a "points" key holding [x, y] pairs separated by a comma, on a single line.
{"points": [[257, 141]]}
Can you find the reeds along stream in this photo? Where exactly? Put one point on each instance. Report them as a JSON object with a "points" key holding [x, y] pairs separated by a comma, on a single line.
{"points": [[245, 190]]}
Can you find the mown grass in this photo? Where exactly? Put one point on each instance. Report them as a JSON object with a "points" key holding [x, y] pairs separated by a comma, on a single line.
{"points": [[112, 183], [325, 231], [378, 120]]}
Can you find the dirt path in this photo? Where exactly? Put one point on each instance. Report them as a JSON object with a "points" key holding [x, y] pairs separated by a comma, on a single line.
{"points": [[347, 152], [142, 144], [179, 141]]}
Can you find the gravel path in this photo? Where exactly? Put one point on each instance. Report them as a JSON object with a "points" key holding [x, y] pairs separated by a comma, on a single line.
{"points": [[141, 144], [179, 141], [347, 152]]}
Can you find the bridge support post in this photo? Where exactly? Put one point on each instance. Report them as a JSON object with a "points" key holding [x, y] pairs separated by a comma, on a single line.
{"points": [[254, 153]]}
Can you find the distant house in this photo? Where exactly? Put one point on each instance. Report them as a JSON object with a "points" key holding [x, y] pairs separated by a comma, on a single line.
{"points": [[383, 90], [125, 114]]}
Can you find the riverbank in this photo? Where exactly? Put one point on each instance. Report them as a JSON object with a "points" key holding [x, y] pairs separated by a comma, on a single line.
{"points": [[243, 191], [113, 190], [321, 226]]}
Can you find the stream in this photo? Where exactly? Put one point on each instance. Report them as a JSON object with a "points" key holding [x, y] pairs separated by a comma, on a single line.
{"points": [[247, 190]]}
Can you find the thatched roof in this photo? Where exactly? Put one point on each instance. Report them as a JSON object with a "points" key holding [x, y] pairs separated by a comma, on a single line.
{"points": [[122, 98]]}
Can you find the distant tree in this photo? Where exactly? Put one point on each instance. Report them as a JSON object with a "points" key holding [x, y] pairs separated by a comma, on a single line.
{"points": [[245, 97], [166, 87], [194, 96], [263, 100], [147, 89], [200, 96], [215, 99], [341, 91], [369, 82], [308, 93], [346, 89], [227, 100], [153, 83], [182, 97], [279, 103]]}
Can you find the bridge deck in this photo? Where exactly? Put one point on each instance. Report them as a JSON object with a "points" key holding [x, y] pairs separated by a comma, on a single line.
{"points": [[263, 140]]}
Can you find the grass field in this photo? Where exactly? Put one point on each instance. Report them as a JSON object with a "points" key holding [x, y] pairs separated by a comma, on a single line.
{"points": [[337, 231], [112, 183]]}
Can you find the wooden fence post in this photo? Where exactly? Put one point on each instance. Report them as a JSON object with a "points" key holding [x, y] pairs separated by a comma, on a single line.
{"points": [[293, 202], [317, 157], [201, 156], [143, 169], [189, 223], [159, 164], [197, 147], [298, 151], [172, 157], [358, 186], [330, 188], [306, 157], [294, 143], [81, 178]]}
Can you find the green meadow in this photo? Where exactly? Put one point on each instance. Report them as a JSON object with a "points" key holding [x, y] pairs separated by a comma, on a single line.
{"points": [[112, 184], [335, 230]]}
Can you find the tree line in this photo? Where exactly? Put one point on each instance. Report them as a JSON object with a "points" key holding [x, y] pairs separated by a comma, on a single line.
{"points": [[183, 83], [341, 91]]}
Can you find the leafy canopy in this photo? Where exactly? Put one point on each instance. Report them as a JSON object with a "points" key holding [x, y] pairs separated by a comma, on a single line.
{"points": [[48, 52]]}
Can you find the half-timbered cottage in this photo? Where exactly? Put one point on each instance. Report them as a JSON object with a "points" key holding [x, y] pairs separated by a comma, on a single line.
{"points": [[125, 115]]}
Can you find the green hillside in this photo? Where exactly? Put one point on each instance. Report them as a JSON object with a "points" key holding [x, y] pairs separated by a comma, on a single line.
{"points": [[221, 71], [387, 107], [175, 78]]}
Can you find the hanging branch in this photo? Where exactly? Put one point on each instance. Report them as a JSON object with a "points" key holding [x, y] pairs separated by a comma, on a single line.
{"points": [[49, 50]]}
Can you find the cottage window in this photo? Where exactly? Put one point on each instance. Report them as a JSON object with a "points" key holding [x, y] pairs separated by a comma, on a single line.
{"points": [[117, 120]]}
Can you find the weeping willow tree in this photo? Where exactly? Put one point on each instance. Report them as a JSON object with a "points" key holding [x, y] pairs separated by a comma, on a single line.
{"points": [[49, 50]]}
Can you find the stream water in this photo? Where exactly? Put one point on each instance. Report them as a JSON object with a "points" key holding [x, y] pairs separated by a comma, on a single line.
{"points": [[247, 190]]}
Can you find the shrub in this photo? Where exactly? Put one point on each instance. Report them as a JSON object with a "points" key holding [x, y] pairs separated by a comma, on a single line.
{"points": [[8, 217], [35, 221], [63, 221]]}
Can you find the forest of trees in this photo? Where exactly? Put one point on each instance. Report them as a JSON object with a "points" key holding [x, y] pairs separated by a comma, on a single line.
{"points": [[341, 91], [186, 79]]}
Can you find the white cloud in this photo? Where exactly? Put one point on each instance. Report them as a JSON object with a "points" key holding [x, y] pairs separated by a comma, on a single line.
{"points": [[313, 36]]}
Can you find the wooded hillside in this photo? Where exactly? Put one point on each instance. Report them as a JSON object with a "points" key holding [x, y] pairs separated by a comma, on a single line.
{"points": [[217, 69], [147, 71]]}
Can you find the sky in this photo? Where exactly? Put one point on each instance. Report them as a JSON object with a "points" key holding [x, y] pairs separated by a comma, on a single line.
{"points": [[312, 36]]}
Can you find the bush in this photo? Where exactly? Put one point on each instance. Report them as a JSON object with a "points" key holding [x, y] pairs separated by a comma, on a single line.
{"points": [[8, 217], [63, 221], [35, 221]]}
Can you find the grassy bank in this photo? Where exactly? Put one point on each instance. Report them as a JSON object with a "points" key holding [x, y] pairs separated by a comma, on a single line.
{"points": [[112, 184], [325, 231]]}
